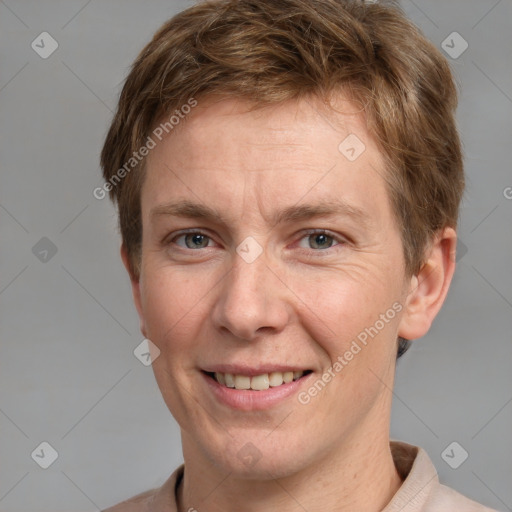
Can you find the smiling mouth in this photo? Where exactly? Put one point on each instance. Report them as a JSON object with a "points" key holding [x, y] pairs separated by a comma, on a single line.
{"points": [[256, 382]]}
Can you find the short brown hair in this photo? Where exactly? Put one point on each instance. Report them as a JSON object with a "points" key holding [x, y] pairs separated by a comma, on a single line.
{"points": [[270, 51]]}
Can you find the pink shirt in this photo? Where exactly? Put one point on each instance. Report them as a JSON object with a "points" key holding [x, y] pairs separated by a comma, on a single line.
{"points": [[420, 490]]}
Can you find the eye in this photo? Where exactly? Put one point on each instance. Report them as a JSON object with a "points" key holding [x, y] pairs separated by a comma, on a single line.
{"points": [[192, 240], [320, 240], [317, 240]]}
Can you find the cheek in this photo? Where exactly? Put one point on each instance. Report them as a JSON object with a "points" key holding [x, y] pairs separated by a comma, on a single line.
{"points": [[356, 348], [350, 315], [172, 308], [171, 303]]}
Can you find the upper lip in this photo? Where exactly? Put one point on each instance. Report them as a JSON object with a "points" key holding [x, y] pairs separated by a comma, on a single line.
{"points": [[252, 370]]}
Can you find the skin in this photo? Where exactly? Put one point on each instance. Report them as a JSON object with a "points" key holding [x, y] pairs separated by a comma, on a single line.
{"points": [[301, 302]]}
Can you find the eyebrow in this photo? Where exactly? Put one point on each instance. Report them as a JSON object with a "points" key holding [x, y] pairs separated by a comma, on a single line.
{"points": [[324, 208]]}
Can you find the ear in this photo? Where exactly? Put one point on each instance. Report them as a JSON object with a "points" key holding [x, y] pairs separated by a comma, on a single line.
{"points": [[428, 289], [135, 282]]}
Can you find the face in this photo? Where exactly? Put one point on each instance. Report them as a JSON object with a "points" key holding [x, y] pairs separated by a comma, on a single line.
{"points": [[269, 247]]}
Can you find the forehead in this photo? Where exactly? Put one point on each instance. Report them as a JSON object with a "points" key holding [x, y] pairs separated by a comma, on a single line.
{"points": [[276, 154], [226, 127]]}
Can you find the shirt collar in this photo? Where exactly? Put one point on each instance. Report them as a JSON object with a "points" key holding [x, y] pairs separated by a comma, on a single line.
{"points": [[418, 474]]}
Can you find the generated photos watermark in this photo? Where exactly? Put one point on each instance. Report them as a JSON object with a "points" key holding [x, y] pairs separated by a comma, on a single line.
{"points": [[137, 156], [304, 397]]}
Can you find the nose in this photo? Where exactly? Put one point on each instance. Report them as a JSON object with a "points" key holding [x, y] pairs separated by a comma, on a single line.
{"points": [[252, 300]]}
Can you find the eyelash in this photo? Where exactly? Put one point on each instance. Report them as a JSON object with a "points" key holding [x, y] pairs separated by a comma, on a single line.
{"points": [[336, 238]]}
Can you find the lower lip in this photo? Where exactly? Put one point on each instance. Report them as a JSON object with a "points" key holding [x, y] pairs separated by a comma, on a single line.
{"points": [[251, 400]]}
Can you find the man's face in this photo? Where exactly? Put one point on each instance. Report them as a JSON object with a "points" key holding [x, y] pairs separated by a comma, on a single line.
{"points": [[268, 288]]}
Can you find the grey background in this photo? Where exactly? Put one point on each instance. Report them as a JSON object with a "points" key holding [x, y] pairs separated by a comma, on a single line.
{"points": [[68, 328]]}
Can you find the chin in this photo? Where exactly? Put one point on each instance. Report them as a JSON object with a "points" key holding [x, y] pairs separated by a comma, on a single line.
{"points": [[257, 461]]}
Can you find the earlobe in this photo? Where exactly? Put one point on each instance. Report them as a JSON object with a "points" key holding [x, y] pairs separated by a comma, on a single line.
{"points": [[135, 283], [428, 289]]}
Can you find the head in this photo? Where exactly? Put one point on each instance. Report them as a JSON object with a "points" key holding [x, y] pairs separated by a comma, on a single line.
{"points": [[232, 117]]}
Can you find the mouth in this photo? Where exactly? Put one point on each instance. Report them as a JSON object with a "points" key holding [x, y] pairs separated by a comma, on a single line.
{"points": [[259, 382]]}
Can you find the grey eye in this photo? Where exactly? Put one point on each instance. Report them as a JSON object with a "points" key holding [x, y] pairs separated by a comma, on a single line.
{"points": [[195, 240], [320, 241]]}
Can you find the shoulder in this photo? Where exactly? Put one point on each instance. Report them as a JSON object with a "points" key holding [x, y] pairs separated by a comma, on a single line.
{"points": [[156, 500], [139, 503], [443, 498], [421, 489]]}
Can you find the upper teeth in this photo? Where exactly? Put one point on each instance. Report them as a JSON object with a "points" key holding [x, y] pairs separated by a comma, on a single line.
{"points": [[258, 382]]}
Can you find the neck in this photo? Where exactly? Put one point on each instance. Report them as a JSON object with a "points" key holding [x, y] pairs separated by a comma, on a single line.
{"points": [[338, 481]]}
